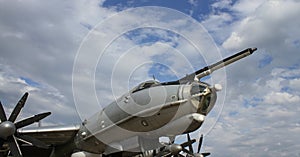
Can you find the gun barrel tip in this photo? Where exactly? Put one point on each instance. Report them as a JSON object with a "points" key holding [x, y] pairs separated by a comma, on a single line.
{"points": [[253, 49]]}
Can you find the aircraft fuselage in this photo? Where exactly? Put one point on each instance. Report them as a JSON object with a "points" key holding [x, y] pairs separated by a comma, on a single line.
{"points": [[151, 110]]}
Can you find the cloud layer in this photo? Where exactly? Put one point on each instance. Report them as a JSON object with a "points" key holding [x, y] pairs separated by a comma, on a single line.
{"points": [[260, 116], [39, 42]]}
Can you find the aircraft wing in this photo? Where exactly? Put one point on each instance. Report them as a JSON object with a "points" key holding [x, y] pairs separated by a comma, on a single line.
{"points": [[14, 135], [52, 135]]}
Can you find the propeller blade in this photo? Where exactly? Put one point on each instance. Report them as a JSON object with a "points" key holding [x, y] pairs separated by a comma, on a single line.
{"points": [[160, 152], [2, 113], [14, 147], [188, 143], [18, 108], [33, 141], [188, 152], [172, 139], [205, 154], [178, 155], [31, 120], [190, 146], [200, 143]]}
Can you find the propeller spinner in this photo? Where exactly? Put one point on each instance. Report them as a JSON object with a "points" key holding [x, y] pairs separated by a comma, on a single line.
{"points": [[8, 128]]}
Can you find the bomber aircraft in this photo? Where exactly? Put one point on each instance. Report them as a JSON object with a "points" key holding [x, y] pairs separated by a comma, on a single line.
{"points": [[128, 127]]}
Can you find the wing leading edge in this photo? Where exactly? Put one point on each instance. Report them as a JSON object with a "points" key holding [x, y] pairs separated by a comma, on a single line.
{"points": [[54, 136]]}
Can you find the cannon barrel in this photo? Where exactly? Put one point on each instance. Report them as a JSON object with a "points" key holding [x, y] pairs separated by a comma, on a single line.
{"points": [[211, 68]]}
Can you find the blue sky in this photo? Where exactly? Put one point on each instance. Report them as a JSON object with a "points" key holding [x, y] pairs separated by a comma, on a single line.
{"points": [[193, 8], [258, 110]]}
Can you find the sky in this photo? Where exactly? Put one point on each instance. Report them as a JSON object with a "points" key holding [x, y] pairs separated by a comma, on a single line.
{"points": [[74, 57]]}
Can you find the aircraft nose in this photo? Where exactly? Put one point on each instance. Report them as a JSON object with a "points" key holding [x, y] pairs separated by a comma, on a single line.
{"points": [[201, 97]]}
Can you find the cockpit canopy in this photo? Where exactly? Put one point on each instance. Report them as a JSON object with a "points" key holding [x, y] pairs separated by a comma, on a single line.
{"points": [[145, 85]]}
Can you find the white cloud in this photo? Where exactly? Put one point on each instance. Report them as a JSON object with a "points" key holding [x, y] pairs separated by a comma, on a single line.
{"points": [[295, 84], [224, 4], [274, 89], [38, 41], [281, 98], [259, 26], [13, 87], [244, 8], [193, 2]]}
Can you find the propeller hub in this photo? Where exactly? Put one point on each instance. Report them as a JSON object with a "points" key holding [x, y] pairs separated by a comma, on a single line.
{"points": [[7, 129], [175, 148]]}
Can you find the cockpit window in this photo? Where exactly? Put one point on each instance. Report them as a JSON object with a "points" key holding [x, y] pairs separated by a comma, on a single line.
{"points": [[206, 103], [197, 88], [201, 101], [145, 85]]}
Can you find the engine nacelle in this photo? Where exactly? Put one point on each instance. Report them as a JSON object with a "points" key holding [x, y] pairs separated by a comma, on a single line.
{"points": [[84, 154]]}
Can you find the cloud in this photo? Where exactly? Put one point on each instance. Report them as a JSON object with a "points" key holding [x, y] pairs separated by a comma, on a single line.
{"points": [[262, 90], [39, 41], [281, 98], [13, 87], [269, 17]]}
